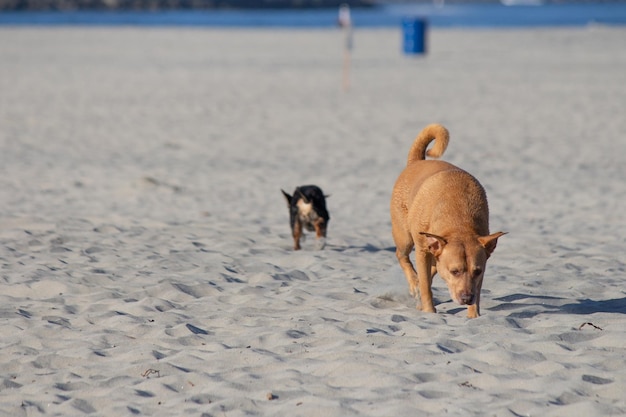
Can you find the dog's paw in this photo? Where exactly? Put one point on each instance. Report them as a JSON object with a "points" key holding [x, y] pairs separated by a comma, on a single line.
{"points": [[472, 312], [320, 243], [427, 309]]}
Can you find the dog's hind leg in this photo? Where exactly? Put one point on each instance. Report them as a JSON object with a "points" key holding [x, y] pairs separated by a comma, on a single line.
{"points": [[402, 253], [425, 281], [404, 247]]}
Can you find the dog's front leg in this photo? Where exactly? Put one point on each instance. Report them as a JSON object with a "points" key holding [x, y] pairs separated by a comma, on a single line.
{"points": [[473, 310], [320, 233], [425, 281], [297, 234]]}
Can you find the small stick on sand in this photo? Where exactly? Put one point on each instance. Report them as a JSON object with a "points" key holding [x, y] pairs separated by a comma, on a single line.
{"points": [[151, 371], [589, 324]]}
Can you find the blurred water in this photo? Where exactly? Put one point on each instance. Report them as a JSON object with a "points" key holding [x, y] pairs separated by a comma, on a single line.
{"points": [[477, 15]]}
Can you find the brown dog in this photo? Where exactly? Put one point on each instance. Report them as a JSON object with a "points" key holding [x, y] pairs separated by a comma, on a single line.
{"points": [[442, 210]]}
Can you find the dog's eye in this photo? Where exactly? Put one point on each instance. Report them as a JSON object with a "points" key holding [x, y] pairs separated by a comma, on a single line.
{"points": [[477, 272], [455, 272]]}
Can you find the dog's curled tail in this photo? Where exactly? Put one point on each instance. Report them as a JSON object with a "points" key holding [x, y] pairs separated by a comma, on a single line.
{"points": [[435, 132]]}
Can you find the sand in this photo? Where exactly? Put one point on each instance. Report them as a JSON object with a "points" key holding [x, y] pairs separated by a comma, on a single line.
{"points": [[146, 255]]}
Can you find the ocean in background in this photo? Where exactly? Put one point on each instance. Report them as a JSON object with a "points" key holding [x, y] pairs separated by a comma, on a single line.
{"points": [[466, 15]]}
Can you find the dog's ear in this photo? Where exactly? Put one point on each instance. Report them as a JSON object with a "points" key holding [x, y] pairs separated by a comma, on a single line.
{"points": [[287, 197], [490, 242], [435, 243]]}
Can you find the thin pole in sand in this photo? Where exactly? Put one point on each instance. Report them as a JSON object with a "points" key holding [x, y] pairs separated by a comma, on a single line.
{"points": [[345, 22]]}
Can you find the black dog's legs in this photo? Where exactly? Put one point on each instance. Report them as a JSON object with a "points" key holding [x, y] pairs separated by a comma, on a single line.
{"points": [[297, 234]]}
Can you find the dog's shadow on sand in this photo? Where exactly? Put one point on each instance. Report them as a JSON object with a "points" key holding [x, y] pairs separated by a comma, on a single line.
{"points": [[368, 247], [542, 304], [532, 305]]}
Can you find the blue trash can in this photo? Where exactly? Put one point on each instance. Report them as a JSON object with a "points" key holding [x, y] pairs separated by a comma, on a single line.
{"points": [[414, 35]]}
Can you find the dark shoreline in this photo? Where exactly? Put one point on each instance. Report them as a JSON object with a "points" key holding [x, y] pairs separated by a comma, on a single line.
{"points": [[156, 5], [168, 5]]}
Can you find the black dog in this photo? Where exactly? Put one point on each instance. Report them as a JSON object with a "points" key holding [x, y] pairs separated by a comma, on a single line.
{"points": [[307, 208]]}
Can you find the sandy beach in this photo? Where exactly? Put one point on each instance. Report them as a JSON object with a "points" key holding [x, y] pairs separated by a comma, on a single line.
{"points": [[145, 250]]}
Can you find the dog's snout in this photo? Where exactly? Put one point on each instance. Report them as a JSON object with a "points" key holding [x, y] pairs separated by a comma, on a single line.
{"points": [[467, 298]]}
